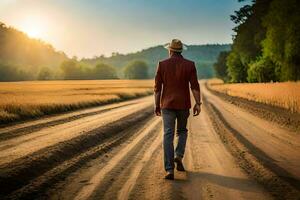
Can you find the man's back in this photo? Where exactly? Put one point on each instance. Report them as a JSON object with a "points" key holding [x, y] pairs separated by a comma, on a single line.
{"points": [[173, 77], [172, 102]]}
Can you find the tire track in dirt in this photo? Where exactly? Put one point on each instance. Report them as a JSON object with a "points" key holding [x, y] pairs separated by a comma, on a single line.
{"points": [[128, 186], [38, 187], [95, 181], [22, 172], [151, 183], [16, 148], [280, 116]]}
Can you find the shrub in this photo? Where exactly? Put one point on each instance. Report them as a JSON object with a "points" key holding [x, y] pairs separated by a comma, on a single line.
{"points": [[104, 71], [263, 70], [136, 70]]}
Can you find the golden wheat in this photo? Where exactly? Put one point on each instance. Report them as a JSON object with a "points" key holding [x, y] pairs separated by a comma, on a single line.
{"points": [[285, 95], [20, 100]]}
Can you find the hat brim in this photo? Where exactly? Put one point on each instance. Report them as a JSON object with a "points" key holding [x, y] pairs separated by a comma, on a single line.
{"points": [[167, 46]]}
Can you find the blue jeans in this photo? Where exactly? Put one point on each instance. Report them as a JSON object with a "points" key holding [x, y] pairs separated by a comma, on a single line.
{"points": [[169, 117]]}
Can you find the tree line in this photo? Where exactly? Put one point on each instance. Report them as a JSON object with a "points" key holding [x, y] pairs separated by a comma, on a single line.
{"points": [[266, 44], [75, 70], [72, 69]]}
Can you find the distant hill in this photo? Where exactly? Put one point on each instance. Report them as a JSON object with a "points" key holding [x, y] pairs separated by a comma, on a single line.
{"points": [[21, 57], [203, 55], [16, 47]]}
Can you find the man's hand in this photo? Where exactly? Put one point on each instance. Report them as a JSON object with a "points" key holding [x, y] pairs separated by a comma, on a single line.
{"points": [[157, 111], [196, 109]]}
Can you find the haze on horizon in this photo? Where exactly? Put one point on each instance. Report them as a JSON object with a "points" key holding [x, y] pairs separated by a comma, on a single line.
{"points": [[89, 28]]}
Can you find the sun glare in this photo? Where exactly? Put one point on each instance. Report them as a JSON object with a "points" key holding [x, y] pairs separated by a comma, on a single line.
{"points": [[34, 27]]}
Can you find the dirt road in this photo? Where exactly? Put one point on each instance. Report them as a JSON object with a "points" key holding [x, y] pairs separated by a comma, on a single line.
{"points": [[115, 152]]}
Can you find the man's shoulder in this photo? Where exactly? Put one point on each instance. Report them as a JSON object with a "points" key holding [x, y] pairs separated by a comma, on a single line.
{"points": [[168, 60]]}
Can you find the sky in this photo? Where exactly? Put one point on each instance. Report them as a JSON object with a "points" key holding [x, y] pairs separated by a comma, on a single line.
{"points": [[88, 28]]}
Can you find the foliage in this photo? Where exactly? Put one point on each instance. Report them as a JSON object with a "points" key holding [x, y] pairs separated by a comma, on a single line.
{"points": [[45, 73], [136, 69], [236, 70], [17, 48], [263, 70], [104, 71], [282, 42], [250, 31], [10, 72], [74, 70], [220, 66], [267, 42], [24, 58]]}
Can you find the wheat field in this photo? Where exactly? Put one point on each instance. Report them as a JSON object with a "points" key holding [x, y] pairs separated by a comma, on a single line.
{"points": [[285, 95], [21, 100]]}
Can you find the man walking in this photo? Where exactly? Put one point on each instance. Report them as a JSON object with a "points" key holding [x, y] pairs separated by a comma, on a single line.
{"points": [[172, 100]]}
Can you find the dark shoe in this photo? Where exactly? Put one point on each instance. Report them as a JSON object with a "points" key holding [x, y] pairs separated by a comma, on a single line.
{"points": [[169, 176], [179, 165]]}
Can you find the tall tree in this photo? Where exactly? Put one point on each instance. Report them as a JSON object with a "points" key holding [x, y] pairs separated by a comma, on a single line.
{"points": [[250, 32], [282, 43], [220, 66], [104, 71], [17, 48], [71, 70], [45, 73], [236, 70]]}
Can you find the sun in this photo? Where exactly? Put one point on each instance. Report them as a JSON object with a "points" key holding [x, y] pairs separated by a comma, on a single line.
{"points": [[33, 26], [33, 31]]}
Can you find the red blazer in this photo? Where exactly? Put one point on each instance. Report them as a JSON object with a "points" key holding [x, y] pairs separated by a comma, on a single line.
{"points": [[173, 78]]}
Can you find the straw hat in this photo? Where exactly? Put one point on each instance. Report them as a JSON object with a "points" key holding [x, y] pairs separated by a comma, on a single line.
{"points": [[175, 45]]}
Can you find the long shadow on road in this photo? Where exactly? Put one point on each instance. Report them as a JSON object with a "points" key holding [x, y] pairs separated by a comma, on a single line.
{"points": [[224, 181]]}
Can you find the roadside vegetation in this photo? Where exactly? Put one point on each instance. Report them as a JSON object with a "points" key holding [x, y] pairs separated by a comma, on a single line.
{"points": [[285, 94], [23, 100], [266, 44]]}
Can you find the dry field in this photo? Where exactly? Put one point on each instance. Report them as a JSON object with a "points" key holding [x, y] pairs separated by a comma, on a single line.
{"points": [[285, 95], [20, 100]]}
